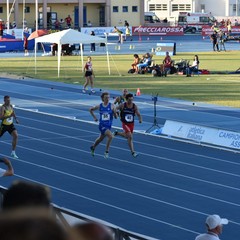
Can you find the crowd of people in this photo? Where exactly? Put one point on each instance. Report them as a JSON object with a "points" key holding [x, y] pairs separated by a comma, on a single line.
{"points": [[27, 213], [147, 65]]}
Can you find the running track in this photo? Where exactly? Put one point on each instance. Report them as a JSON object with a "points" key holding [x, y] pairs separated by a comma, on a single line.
{"points": [[165, 193]]}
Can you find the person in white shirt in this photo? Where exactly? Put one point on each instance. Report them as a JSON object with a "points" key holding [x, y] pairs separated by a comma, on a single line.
{"points": [[6, 172], [214, 224]]}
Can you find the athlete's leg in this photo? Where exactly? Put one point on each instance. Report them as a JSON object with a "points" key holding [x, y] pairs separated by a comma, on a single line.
{"points": [[98, 140], [14, 135], [109, 135], [129, 137], [86, 82]]}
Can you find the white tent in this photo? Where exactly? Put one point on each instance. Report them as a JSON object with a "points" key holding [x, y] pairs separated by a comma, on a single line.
{"points": [[69, 36]]}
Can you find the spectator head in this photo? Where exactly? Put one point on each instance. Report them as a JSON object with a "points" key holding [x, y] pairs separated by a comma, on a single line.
{"points": [[136, 55], [196, 57], [25, 194], [125, 91], [30, 225], [92, 231], [214, 223], [129, 95], [147, 55]]}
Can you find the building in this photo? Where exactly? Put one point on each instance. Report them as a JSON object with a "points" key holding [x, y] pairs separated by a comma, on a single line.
{"points": [[82, 12], [169, 8]]}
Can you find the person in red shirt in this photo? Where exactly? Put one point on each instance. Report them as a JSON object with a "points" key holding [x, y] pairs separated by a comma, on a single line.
{"points": [[1, 28], [128, 110], [68, 21], [25, 44], [89, 75], [167, 64]]}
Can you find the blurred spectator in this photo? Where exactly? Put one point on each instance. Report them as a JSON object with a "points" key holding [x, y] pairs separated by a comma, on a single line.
{"points": [[122, 98], [89, 24], [26, 194], [126, 24], [229, 27], [68, 21], [57, 24], [92, 231], [194, 67], [214, 226], [61, 23], [136, 61], [9, 171], [93, 48], [214, 39], [236, 22], [30, 225], [1, 28], [25, 44], [146, 62], [167, 63]]}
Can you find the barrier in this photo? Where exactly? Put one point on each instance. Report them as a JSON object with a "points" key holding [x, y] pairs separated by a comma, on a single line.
{"points": [[164, 47], [64, 215], [202, 134]]}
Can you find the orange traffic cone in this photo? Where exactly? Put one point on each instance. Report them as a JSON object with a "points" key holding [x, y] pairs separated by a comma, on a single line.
{"points": [[138, 93]]}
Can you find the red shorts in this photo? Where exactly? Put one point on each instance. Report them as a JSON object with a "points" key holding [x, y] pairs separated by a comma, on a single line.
{"points": [[128, 127]]}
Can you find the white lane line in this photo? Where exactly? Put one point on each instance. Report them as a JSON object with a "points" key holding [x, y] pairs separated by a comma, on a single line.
{"points": [[138, 142], [112, 206], [145, 154], [132, 163]]}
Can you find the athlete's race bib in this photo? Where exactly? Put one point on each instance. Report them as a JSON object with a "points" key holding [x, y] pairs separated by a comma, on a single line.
{"points": [[105, 116], [129, 118], [9, 120]]}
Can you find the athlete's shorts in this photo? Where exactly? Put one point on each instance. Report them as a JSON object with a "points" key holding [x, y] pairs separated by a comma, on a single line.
{"points": [[88, 73], [128, 127], [104, 128], [6, 128]]}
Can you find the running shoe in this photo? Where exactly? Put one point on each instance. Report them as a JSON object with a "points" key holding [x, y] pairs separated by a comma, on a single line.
{"points": [[13, 154], [92, 91], [115, 133], [92, 150], [134, 154], [84, 90], [106, 155]]}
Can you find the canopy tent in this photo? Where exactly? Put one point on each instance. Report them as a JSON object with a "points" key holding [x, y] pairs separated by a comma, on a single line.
{"points": [[69, 36]]}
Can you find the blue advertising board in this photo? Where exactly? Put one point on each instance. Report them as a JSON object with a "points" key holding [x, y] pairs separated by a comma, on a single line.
{"points": [[164, 47]]}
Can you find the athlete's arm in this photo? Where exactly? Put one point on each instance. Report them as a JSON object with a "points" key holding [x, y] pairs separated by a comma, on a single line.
{"points": [[119, 107], [117, 100], [114, 111], [91, 110], [138, 114], [15, 117], [9, 171]]}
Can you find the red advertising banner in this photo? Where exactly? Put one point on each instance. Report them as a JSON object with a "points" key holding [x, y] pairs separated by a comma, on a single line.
{"points": [[155, 30], [207, 30]]}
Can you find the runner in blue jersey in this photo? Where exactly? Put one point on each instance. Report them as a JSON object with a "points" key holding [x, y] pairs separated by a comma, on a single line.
{"points": [[106, 112]]}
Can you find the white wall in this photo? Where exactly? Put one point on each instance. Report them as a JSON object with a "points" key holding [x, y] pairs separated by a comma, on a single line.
{"points": [[216, 7]]}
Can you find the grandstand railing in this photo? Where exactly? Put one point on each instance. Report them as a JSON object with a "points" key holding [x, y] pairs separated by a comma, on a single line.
{"points": [[67, 217]]}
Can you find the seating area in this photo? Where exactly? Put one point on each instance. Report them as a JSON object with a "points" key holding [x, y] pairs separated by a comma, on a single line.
{"points": [[180, 67]]}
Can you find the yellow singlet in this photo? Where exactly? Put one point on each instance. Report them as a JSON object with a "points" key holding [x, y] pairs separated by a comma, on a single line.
{"points": [[8, 121]]}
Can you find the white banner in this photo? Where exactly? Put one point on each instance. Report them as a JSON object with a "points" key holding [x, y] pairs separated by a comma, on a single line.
{"points": [[203, 134], [102, 31]]}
